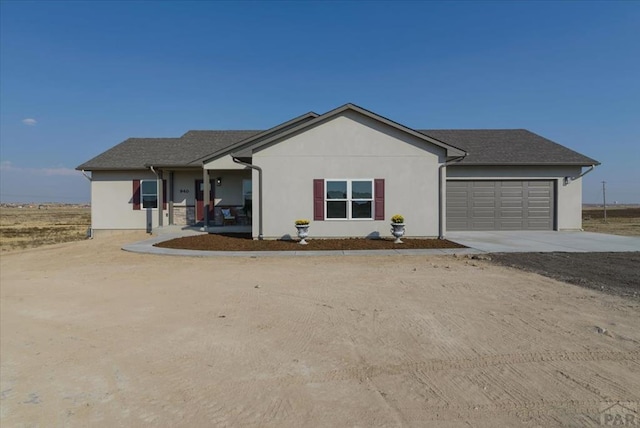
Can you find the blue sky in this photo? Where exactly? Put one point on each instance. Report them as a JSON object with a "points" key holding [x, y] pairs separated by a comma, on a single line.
{"points": [[76, 78]]}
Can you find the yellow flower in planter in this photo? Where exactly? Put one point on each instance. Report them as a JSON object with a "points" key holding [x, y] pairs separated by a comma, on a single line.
{"points": [[302, 222], [397, 219]]}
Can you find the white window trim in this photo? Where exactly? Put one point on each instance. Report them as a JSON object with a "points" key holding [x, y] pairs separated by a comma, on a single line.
{"points": [[142, 195], [348, 200]]}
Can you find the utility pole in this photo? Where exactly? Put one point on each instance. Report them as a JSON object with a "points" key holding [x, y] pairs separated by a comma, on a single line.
{"points": [[604, 200]]}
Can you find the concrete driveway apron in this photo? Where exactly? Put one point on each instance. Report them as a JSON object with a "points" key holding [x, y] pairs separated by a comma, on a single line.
{"points": [[544, 241]]}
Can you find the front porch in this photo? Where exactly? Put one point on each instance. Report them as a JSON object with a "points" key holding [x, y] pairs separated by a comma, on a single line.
{"points": [[195, 197], [198, 228]]}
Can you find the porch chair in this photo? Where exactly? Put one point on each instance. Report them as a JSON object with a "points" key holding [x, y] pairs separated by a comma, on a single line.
{"points": [[228, 217]]}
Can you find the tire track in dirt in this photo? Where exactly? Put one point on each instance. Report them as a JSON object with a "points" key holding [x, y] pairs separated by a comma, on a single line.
{"points": [[607, 386], [364, 372], [554, 412]]}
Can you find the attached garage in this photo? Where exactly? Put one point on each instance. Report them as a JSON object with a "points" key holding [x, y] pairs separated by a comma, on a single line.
{"points": [[500, 205]]}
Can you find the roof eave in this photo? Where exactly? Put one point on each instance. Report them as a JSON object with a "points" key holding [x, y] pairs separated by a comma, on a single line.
{"points": [[109, 168], [467, 163], [159, 165]]}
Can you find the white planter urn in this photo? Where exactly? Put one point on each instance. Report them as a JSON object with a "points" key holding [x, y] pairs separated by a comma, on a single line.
{"points": [[397, 230], [303, 232]]}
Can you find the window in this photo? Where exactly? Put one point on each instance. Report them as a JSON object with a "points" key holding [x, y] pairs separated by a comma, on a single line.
{"points": [[149, 194], [349, 199]]}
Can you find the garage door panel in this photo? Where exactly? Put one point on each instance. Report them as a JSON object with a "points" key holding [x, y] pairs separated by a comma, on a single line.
{"points": [[538, 226], [458, 225], [459, 199], [510, 195], [539, 216], [511, 225], [539, 194], [483, 194], [454, 219], [539, 183], [511, 215], [539, 212], [533, 203], [460, 191], [483, 212], [483, 204], [500, 205], [511, 204], [476, 225]]}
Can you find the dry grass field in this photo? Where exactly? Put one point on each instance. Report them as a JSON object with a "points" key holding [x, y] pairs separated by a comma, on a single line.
{"points": [[620, 221], [31, 227]]}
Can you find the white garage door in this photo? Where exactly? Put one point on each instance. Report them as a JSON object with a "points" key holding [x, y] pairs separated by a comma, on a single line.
{"points": [[500, 205]]}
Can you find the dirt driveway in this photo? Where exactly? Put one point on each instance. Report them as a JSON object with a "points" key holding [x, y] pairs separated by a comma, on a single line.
{"points": [[94, 336]]}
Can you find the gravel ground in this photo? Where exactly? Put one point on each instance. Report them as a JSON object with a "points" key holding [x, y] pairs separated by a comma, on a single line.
{"points": [[614, 273], [243, 242]]}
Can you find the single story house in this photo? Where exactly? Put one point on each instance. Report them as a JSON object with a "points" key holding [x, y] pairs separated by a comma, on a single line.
{"points": [[348, 171]]}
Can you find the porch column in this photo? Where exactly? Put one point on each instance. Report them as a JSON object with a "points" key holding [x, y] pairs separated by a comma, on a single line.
{"points": [[170, 184], [442, 214], [206, 196], [160, 199]]}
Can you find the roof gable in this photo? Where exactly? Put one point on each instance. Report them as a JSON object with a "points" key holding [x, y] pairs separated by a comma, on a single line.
{"points": [[247, 149]]}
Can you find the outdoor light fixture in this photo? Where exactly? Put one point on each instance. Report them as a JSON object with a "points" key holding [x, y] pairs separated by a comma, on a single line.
{"points": [[219, 181]]}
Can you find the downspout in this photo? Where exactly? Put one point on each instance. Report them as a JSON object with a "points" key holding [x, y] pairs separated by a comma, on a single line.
{"points": [[442, 177], [568, 179], [90, 231], [257, 168], [160, 200]]}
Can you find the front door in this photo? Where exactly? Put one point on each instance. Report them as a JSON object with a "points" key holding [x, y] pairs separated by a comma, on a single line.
{"points": [[200, 200]]}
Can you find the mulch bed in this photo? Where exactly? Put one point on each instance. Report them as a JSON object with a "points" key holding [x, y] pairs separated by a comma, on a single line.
{"points": [[244, 242]]}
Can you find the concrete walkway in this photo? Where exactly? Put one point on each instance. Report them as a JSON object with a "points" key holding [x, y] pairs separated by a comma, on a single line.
{"points": [[544, 241], [477, 242]]}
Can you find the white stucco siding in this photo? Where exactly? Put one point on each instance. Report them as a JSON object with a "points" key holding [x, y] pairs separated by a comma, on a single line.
{"points": [[112, 197], [112, 201], [568, 196], [229, 193], [224, 163], [349, 146], [184, 187]]}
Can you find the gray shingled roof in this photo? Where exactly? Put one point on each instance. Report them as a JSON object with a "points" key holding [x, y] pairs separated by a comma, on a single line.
{"points": [[508, 147], [484, 147], [139, 153]]}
